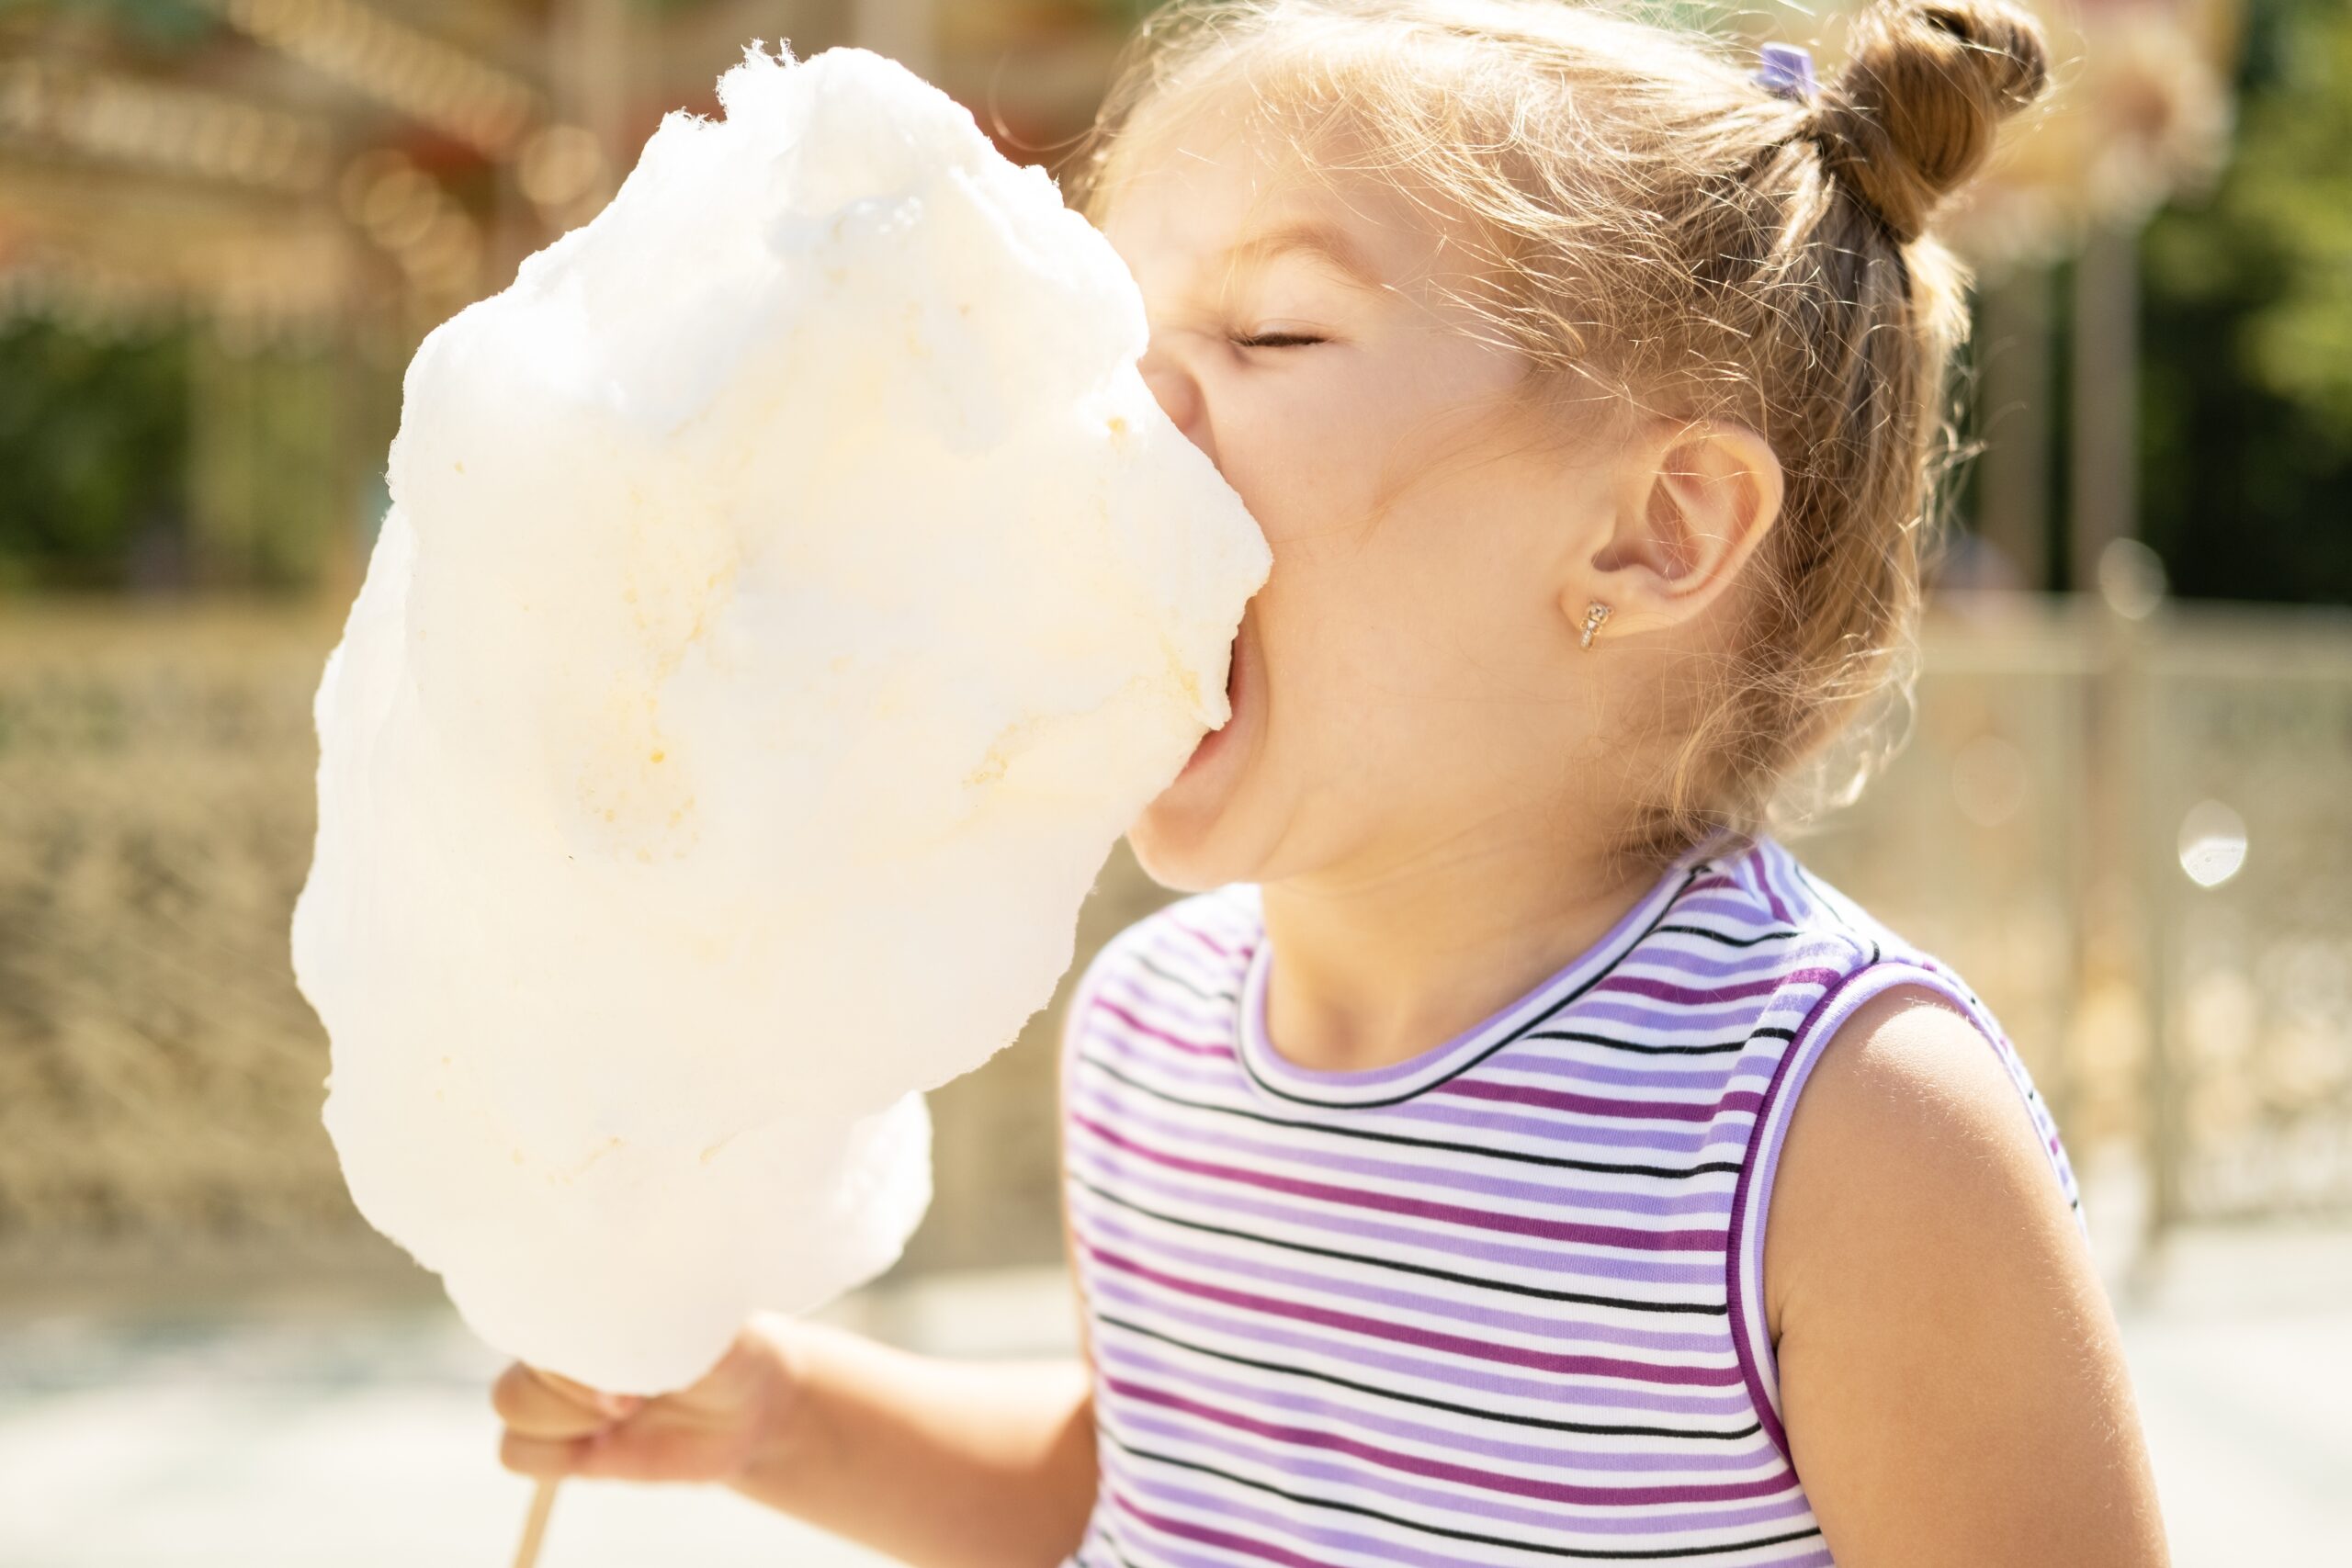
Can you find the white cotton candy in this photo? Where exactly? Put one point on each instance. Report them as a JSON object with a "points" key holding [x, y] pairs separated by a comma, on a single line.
{"points": [[791, 590]]}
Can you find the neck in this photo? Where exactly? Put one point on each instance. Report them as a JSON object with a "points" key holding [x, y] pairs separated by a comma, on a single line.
{"points": [[1374, 965]]}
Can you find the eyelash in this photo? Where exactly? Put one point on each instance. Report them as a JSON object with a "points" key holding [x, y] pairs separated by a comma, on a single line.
{"points": [[1276, 339]]}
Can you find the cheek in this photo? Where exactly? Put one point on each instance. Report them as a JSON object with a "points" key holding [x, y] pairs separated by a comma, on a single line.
{"points": [[1302, 480], [1364, 580]]}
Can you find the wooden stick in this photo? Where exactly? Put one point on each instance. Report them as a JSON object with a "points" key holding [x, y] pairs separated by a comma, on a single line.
{"points": [[535, 1527]]}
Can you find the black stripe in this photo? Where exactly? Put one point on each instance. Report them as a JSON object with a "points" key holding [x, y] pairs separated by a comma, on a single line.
{"points": [[1098, 1528], [1616, 1553], [1821, 896], [1581, 1298], [1727, 939], [1584, 1038], [1111, 1546], [1556, 1162], [1544, 1017], [1582, 1428], [1182, 983]]}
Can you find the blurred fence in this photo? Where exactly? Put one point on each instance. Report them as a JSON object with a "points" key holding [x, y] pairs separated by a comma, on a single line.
{"points": [[2130, 837], [2134, 838]]}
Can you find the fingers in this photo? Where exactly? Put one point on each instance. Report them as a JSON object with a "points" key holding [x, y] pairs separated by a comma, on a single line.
{"points": [[541, 1456], [542, 1405], [557, 1427]]}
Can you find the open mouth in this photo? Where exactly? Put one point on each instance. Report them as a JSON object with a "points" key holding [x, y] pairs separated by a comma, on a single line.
{"points": [[1235, 686]]}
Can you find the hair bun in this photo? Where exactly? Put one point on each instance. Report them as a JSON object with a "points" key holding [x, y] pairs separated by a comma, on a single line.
{"points": [[1926, 86]]}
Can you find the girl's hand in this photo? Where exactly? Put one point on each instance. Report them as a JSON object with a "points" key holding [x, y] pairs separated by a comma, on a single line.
{"points": [[708, 1432]]}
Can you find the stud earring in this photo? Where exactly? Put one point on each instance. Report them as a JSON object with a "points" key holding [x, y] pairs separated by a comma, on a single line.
{"points": [[1595, 615]]}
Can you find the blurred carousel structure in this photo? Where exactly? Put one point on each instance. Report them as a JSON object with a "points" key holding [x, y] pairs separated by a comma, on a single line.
{"points": [[292, 193], [314, 184], [2123, 818]]}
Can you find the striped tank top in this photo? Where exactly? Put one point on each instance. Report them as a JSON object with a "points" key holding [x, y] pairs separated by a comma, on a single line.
{"points": [[1499, 1303]]}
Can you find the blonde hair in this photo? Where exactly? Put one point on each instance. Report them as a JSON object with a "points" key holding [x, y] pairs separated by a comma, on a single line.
{"points": [[1657, 225]]}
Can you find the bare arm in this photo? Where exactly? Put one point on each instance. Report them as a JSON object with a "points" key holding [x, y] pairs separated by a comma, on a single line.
{"points": [[1951, 1378], [942, 1464]]}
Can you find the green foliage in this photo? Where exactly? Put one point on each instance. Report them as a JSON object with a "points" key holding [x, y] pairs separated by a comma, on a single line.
{"points": [[165, 24], [93, 451], [2247, 394], [2294, 184]]}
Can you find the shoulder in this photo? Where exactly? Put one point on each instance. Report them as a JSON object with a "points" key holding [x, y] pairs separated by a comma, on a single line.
{"points": [[1899, 1128], [1950, 1375], [1911, 1145]]}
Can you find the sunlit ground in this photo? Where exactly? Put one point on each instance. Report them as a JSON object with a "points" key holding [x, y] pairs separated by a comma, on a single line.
{"points": [[296, 1435]]}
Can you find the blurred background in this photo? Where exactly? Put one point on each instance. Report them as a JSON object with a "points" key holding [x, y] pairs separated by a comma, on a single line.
{"points": [[2124, 810]]}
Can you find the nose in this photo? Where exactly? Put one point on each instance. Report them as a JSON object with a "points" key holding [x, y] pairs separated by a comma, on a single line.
{"points": [[1180, 395]]}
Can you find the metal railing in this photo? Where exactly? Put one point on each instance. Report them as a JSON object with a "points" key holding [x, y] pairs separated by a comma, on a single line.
{"points": [[2133, 837]]}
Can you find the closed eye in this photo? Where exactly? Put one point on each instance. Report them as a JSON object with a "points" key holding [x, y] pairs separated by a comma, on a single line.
{"points": [[1276, 339]]}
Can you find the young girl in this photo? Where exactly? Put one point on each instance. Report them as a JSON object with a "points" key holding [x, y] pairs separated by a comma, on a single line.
{"points": [[1521, 1159]]}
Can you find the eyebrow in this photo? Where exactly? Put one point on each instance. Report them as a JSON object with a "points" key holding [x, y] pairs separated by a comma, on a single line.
{"points": [[1315, 238]]}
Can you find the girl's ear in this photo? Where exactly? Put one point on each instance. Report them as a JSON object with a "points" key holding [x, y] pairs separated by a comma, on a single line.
{"points": [[1695, 502]]}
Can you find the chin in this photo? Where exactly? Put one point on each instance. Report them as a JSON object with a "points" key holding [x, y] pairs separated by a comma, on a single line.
{"points": [[1192, 837], [1176, 854]]}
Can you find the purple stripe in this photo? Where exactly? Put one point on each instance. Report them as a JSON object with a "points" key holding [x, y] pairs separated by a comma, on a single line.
{"points": [[1487, 1513], [1669, 1145], [1703, 958], [1625, 1236], [1248, 1546], [1187, 1010], [1467, 1512], [1259, 1335], [1749, 1374], [1160, 943], [1685, 1456], [1103, 1227], [1645, 1201], [1451, 1246], [1160, 1070], [1594, 1105], [1731, 907], [1689, 995], [1666, 1145], [1764, 881], [1190, 1047], [1554, 1362], [1202, 938], [1568, 1491], [1697, 1071], [1323, 1538], [1729, 1020]]}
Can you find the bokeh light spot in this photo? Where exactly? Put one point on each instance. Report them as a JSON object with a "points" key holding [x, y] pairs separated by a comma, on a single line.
{"points": [[2213, 843]]}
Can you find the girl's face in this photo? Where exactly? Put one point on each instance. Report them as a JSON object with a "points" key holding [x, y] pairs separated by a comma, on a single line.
{"points": [[1405, 683]]}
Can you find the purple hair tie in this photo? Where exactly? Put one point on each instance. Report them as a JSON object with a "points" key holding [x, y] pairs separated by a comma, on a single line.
{"points": [[1786, 71]]}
